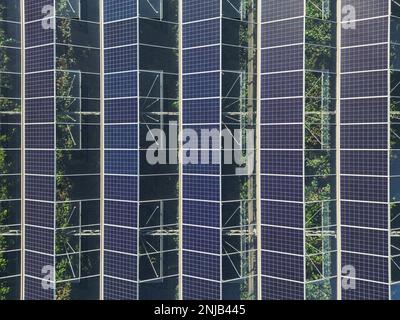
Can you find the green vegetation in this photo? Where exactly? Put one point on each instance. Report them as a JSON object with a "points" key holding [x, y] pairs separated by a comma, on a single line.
{"points": [[64, 83], [6, 185]]}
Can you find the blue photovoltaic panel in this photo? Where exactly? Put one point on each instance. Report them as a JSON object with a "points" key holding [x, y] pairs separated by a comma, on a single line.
{"points": [[201, 85], [201, 33], [39, 110], [282, 162], [282, 85], [198, 289], [367, 32], [370, 84], [120, 162], [120, 33], [121, 155], [39, 188], [120, 187], [364, 136], [40, 58], [364, 188], [119, 9], [39, 85], [120, 265], [284, 266], [201, 187], [120, 239], [368, 8], [369, 215], [364, 143], [120, 110], [282, 240], [282, 214], [364, 110], [201, 239], [201, 213], [39, 162], [372, 268], [277, 289], [35, 35], [201, 111], [33, 9], [282, 188], [365, 58], [37, 265], [277, 9], [208, 137], [120, 136], [201, 59], [120, 85], [117, 59], [202, 168], [34, 290], [194, 10], [116, 289], [120, 213], [282, 59], [282, 110], [201, 265], [366, 241], [361, 162], [39, 239], [39, 214], [282, 33], [365, 290], [281, 136]]}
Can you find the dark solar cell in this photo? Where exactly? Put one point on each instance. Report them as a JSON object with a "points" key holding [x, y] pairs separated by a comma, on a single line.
{"points": [[282, 266], [365, 290], [282, 214], [206, 240], [367, 267], [120, 213], [277, 289], [117, 289], [120, 239], [201, 265], [120, 265], [201, 213], [194, 10], [198, 289], [367, 241], [282, 240]]}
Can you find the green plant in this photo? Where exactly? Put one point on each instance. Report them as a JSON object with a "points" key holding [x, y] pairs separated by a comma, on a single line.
{"points": [[6, 185], [65, 100]]}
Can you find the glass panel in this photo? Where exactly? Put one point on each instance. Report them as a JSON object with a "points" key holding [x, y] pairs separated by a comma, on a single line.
{"points": [[69, 9], [395, 291], [151, 9], [395, 8], [322, 290], [241, 289], [239, 9], [321, 9]]}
